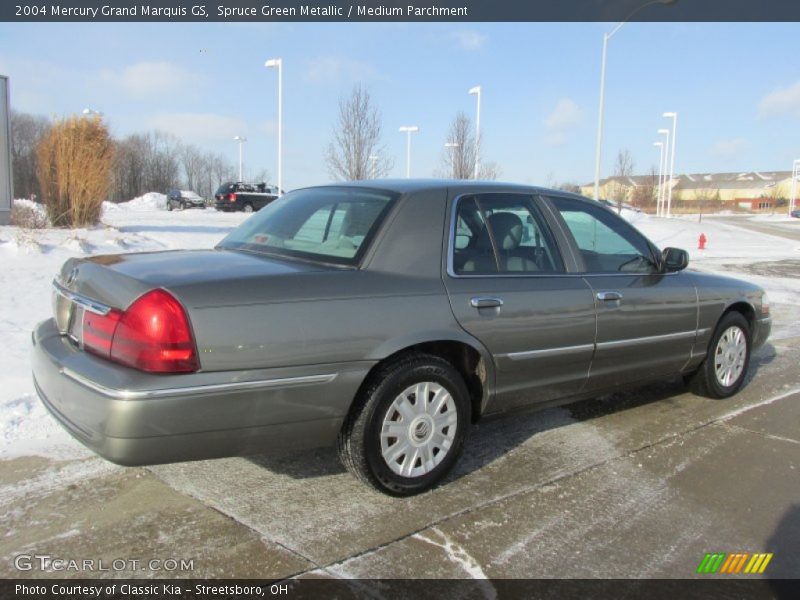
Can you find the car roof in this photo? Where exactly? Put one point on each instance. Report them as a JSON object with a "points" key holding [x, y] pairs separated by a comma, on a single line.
{"points": [[404, 186]]}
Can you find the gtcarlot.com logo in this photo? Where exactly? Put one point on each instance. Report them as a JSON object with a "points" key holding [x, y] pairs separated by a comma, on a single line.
{"points": [[735, 563]]}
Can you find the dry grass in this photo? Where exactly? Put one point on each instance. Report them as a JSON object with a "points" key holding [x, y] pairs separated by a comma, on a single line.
{"points": [[74, 169], [27, 217]]}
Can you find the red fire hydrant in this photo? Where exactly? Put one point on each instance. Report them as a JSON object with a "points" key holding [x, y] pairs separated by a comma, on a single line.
{"points": [[701, 242]]}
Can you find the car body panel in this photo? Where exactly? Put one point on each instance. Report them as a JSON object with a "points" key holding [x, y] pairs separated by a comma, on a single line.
{"points": [[285, 344], [649, 332]]}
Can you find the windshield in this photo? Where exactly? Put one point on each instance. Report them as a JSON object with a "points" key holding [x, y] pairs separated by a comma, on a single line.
{"points": [[224, 188], [332, 225]]}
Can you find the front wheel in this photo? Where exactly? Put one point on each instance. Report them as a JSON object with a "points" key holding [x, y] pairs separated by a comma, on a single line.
{"points": [[406, 430], [723, 371]]}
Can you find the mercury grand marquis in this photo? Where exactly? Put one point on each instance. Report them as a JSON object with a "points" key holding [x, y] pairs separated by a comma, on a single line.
{"points": [[383, 318]]}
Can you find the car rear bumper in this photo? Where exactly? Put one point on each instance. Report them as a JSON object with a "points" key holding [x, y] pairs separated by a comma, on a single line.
{"points": [[133, 418]]}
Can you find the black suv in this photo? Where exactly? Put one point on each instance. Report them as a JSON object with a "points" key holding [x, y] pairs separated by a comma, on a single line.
{"points": [[180, 199], [244, 196]]}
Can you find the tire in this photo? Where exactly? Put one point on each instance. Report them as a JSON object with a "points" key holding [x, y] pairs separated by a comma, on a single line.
{"points": [[730, 348], [248, 208], [363, 446], [169, 205]]}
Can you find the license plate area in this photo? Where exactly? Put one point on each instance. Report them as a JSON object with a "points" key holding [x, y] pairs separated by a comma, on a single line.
{"points": [[62, 310]]}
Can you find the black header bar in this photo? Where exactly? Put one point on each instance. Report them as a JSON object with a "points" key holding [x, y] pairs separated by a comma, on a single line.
{"points": [[404, 11]]}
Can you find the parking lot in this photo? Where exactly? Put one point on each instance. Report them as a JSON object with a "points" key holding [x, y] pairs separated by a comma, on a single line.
{"points": [[636, 484]]}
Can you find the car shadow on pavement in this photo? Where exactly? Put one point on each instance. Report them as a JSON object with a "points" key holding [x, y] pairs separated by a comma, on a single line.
{"points": [[496, 435], [785, 563]]}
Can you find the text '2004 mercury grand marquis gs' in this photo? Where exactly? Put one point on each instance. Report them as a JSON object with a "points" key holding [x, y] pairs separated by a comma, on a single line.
{"points": [[385, 318]]}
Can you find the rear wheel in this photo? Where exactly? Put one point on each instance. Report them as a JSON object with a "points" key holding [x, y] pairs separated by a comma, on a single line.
{"points": [[723, 371], [248, 208], [408, 426]]}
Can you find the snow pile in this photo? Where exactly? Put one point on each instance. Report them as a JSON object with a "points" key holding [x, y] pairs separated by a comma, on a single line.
{"points": [[633, 216], [31, 205], [148, 202], [26, 429]]}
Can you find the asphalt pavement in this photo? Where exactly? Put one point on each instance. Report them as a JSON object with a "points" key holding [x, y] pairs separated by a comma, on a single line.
{"points": [[636, 484]]}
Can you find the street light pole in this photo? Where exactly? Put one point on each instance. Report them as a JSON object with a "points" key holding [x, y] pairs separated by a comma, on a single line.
{"points": [[408, 130], [277, 63], [451, 146], [241, 141], [660, 173], [599, 145], [476, 91], [373, 160], [674, 117], [665, 133]]}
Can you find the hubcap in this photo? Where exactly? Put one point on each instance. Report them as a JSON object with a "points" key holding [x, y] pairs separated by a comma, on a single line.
{"points": [[729, 356], [418, 429]]}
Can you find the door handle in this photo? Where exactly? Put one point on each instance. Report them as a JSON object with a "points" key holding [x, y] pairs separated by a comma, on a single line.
{"points": [[609, 296], [480, 302]]}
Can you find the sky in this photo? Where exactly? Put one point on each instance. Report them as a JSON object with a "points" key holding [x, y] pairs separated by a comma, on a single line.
{"points": [[735, 87]]}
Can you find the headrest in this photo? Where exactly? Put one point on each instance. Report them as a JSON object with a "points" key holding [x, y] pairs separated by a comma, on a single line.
{"points": [[507, 230]]}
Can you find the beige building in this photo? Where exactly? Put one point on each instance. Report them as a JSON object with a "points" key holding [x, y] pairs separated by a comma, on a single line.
{"points": [[754, 190]]}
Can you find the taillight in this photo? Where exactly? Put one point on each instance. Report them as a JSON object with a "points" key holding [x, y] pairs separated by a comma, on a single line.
{"points": [[98, 331], [232, 197], [152, 335]]}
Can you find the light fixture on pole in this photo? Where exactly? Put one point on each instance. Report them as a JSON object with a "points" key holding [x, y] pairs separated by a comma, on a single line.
{"points": [[373, 159], [476, 91], [277, 63], [795, 179], [662, 211], [660, 173], [607, 36], [408, 130], [241, 140], [674, 117]]}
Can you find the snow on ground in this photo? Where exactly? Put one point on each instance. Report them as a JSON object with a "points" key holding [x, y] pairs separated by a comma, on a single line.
{"points": [[30, 259]]}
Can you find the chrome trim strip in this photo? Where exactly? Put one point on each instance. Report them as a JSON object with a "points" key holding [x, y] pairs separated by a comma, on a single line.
{"points": [[703, 331], [548, 352], [197, 389], [648, 339], [88, 304]]}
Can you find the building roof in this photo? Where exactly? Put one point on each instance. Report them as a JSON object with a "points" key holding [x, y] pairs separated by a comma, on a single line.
{"points": [[733, 180]]}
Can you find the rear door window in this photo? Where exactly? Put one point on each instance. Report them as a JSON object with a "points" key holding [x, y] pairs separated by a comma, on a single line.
{"points": [[502, 234]]}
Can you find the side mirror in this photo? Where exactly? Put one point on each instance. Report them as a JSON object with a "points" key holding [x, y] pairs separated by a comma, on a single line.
{"points": [[674, 259]]}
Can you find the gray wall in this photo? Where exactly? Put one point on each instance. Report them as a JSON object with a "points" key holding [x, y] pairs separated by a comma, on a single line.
{"points": [[5, 152]]}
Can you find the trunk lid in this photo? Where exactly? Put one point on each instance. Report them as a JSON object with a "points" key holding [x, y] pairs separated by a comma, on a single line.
{"points": [[116, 280]]}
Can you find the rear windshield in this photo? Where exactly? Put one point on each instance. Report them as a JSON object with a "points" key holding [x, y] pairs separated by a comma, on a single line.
{"points": [[331, 225], [224, 188]]}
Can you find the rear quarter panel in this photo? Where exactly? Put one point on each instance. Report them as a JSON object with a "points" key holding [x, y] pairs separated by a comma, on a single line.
{"points": [[396, 299]]}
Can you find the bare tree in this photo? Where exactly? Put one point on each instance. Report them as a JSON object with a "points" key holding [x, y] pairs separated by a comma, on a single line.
{"points": [[644, 195], [357, 138], [192, 163], [26, 133], [461, 152], [623, 167], [460, 148]]}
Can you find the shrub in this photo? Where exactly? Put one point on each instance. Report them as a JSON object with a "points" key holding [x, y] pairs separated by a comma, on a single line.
{"points": [[74, 170], [27, 216]]}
